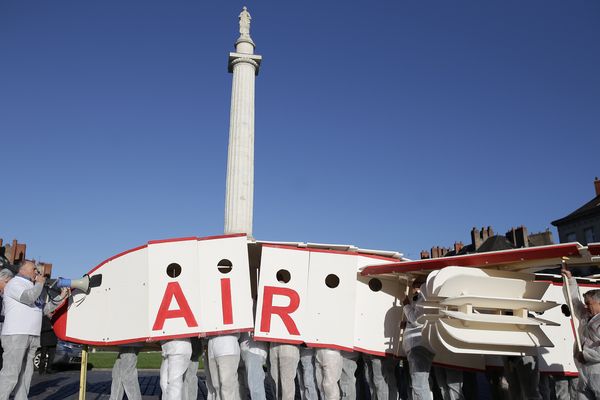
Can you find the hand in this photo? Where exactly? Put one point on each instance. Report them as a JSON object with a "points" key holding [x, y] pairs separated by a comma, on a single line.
{"points": [[65, 292], [40, 279], [565, 272], [579, 356]]}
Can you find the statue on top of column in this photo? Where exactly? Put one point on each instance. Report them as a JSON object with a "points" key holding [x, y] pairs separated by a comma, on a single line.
{"points": [[245, 23]]}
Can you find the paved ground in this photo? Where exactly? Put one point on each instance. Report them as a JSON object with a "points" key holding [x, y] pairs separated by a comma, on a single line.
{"points": [[65, 385]]}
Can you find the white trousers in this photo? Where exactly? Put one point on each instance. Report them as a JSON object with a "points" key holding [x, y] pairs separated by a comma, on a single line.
{"points": [[284, 360], [17, 367], [175, 362], [224, 377], [125, 375], [328, 363]]}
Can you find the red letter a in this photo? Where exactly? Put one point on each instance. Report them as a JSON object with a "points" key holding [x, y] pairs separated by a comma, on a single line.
{"points": [[184, 311]]}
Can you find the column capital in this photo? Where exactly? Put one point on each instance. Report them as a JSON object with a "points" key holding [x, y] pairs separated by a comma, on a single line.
{"points": [[252, 59]]}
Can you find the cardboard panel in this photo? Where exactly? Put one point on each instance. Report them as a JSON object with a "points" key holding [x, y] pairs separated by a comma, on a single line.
{"points": [[463, 281], [282, 295], [378, 312], [113, 311], [128, 295], [560, 357], [173, 302], [331, 298], [224, 293], [446, 358]]}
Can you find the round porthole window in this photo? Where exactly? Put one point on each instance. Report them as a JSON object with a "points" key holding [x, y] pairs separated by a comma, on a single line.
{"points": [[375, 285], [173, 270], [283, 276], [332, 281], [224, 266]]}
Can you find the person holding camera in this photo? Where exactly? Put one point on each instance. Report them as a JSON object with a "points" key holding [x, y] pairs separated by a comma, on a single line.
{"points": [[23, 303]]}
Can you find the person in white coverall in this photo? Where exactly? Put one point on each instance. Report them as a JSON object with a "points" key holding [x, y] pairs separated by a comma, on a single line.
{"points": [[176, 355], [348, 378], [380, 374], [23, 304], [190, 379], [588, 313], [254, 357], [419, 355], [306, 374], [328, 365], [125, 375], [284, 359], [223, 354]]}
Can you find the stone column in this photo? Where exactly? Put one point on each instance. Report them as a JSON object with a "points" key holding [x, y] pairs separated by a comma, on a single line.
{"points": [[244, 65]]}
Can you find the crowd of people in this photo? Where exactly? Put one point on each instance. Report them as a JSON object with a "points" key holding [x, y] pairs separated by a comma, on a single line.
{"points": [[238, 367]]}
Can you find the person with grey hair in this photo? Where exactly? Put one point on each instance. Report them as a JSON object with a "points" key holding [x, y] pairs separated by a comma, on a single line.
{"points": [[5, 276], [24, 302], [588, 313]]}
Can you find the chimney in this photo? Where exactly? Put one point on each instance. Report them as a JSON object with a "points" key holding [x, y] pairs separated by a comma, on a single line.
{"points": [[46, 269], [490, 231], [540, 238], [484, 234], [597, 186], [458, 247], [475, 238], [511, 236], [521, 237], [15, 253], [435, 252], [424, 255]]}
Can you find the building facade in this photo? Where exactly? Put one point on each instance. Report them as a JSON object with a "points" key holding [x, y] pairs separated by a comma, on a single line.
{"points": [[583, 224]]}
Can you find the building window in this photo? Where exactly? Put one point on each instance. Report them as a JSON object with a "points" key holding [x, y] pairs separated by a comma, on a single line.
{"points": [[589, 235], [571, 237]]}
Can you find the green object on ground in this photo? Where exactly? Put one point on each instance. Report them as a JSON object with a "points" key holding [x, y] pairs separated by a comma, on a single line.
{"points": [[146, 360]]}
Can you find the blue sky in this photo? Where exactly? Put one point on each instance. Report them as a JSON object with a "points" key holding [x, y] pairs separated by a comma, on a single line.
{"points": [[395, 125]]}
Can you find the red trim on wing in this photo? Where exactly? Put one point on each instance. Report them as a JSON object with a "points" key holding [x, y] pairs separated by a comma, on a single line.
{"points": [[108, 343], [153, 338], [164, 241], [117, 256], [560, 373], [594, 285], [269, 339], [183, 239], [374, 353], [197, 238], [594, 249], [225, 332], [478, 259], [59, 320], [221, 236], [346, 253], [329, 346]]}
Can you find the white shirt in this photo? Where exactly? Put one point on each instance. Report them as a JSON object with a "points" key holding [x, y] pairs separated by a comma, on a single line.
{"points": [[19, 318], [412, 333], [223, 345]]}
